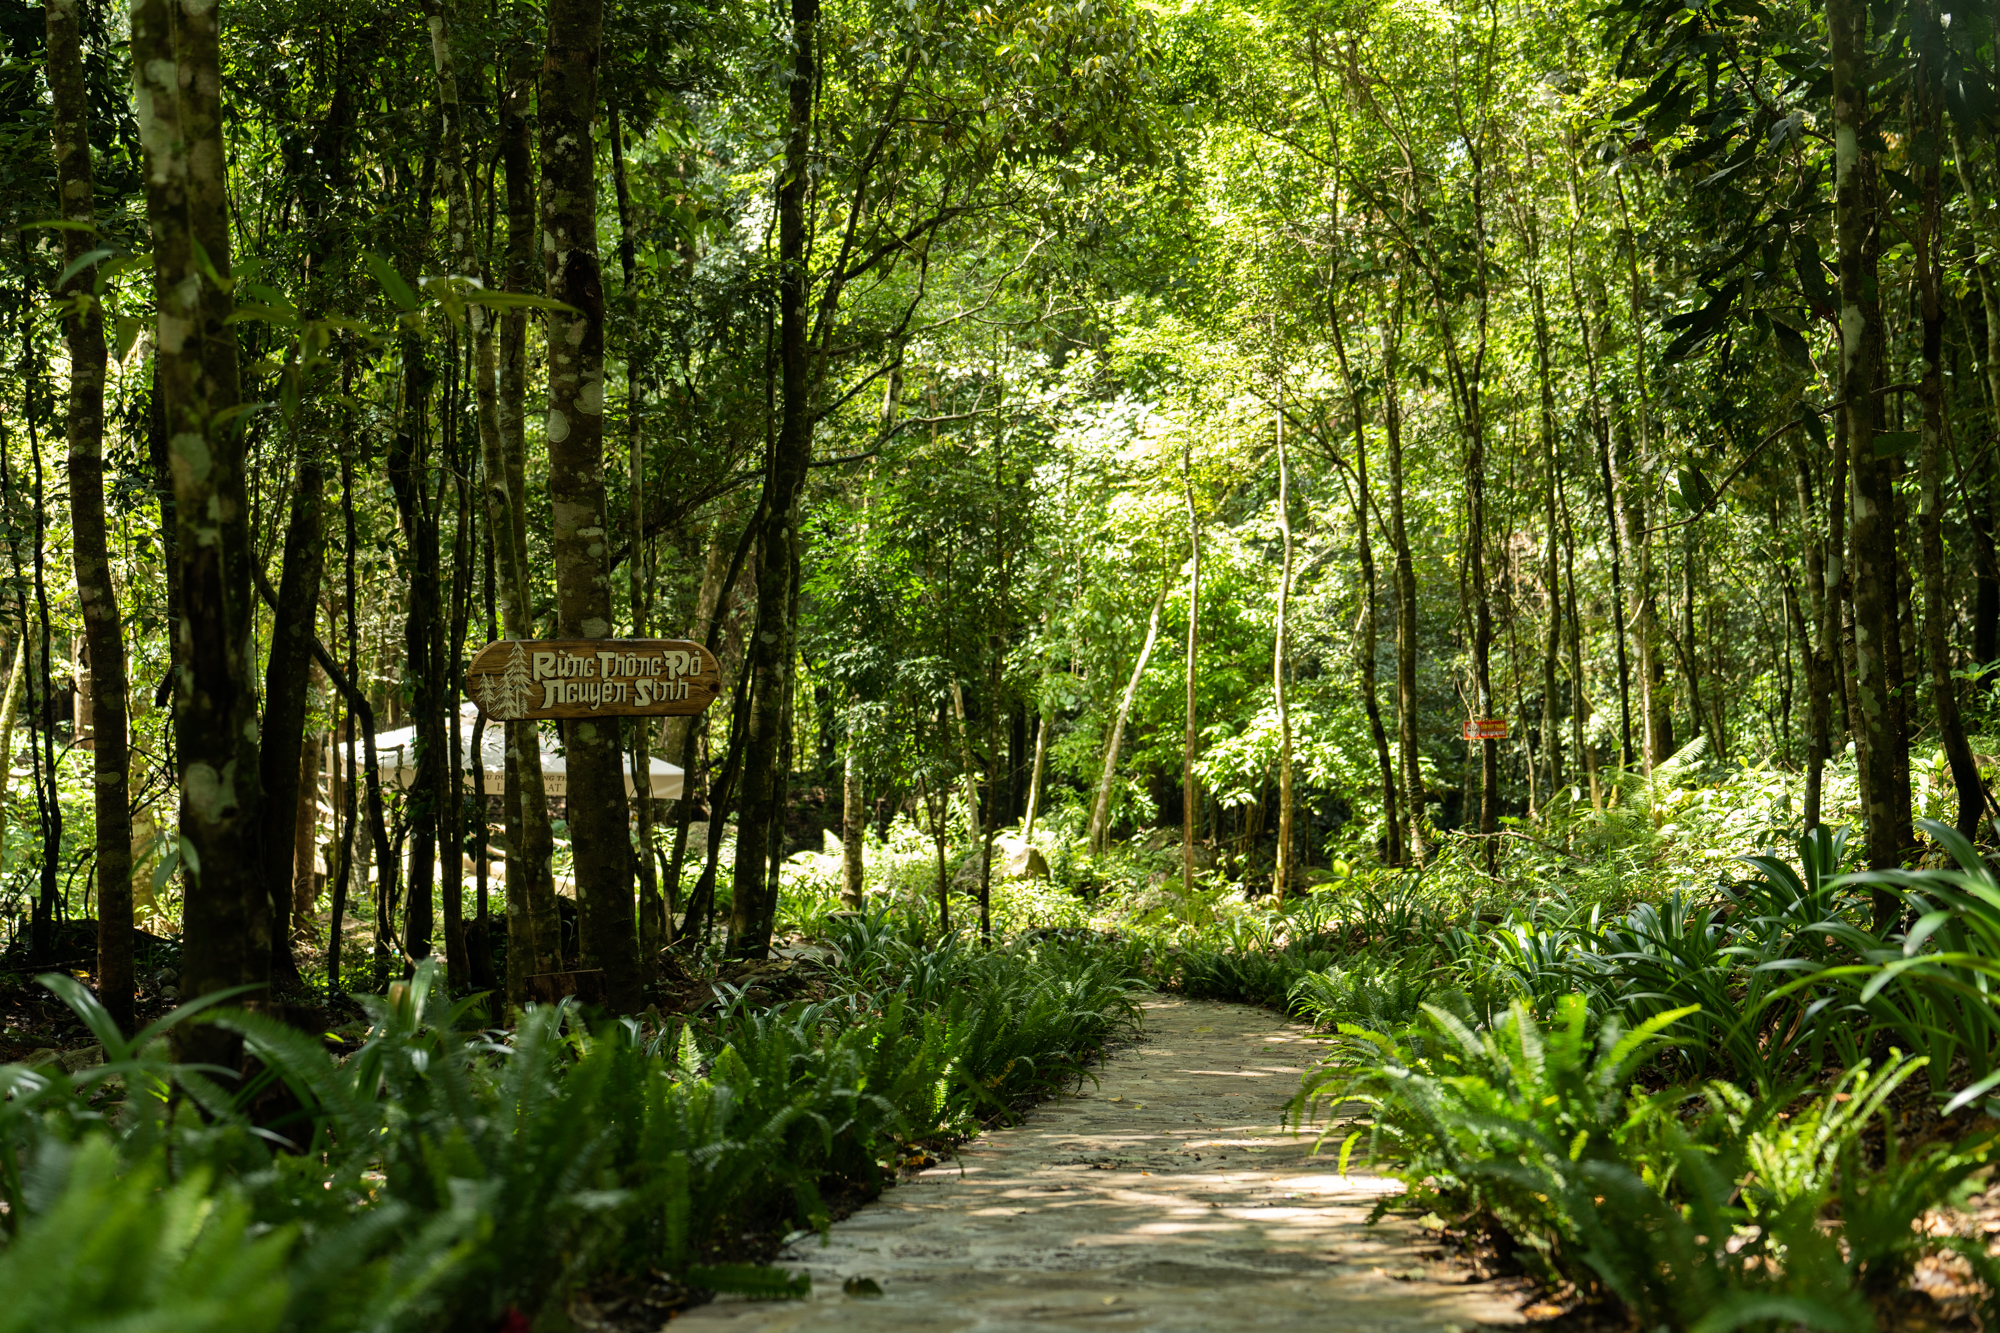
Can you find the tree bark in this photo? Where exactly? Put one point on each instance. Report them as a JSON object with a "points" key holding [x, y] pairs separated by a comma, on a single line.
{"points": [[97, 599], [1817, 644], [287, 676], [305, 844], [1551, 567], [1871, 537], [1366, 646], [534, 938], [1190, 793], [1929, 37], [10, 704], [600, 830], [773, 647], [226, 916], [1406, 600], [654, 921], [852, 819], [409, 469], [1281, 661], [1100, 806]]}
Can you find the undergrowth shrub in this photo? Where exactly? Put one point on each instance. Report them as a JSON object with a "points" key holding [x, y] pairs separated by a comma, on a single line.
{"points": [[1699, 1208], [432, 1179]]}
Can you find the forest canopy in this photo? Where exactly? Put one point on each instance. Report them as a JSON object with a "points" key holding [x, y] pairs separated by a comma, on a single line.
{"points": [[1333, 435]]}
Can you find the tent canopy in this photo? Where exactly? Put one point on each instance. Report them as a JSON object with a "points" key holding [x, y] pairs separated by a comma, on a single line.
{"points": [[395, 757]]}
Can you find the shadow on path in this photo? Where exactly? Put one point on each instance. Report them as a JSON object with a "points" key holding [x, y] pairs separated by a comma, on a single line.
{"points": [[1166, 1197]]}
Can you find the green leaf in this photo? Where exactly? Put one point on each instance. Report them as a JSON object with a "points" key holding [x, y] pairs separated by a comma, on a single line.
{"points": [[1794, 344], [392, 282], [80, 263]]}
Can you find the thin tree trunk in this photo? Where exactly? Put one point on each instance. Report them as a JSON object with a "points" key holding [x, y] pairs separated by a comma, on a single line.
{"points": [[1406, 600], [654, 923], [97, 599], [1930, 510], [1871, 533], [10, 704], [773, 647], [287, 678], [225, 914], [1190, 793], [1579, 713], [534, 931], [1551, 576], [1100, 806], [852, 820], [600, 826], [1815, 640], [1643, 609], [337, 925], [1281, 661], [1035, 777], [1366, 647], [409, 469], [305, 842]]}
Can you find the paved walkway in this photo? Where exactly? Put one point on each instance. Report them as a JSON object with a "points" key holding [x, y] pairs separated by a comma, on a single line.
{"points": [[1166, 1197]]}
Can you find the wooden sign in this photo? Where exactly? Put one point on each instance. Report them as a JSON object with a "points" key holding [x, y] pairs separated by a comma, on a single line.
{"points": [[515, 679], [1486, 729]]}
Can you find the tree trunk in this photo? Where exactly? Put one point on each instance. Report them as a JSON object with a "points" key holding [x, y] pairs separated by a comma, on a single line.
{"points": [[97, 599], [1579, 713], [1552, 571], [852, 820], [287, 676], [654, 928], [599, 823], [1100, 807], [1817, 644], [534, 932], [1190, 794], [10, 704], [225, 915], [1406, 603], [1871, 537], [773, 647], [1281, 662], [409, 469], [1035, 777], [1366, 645], [1929, 37], [305, 840]]}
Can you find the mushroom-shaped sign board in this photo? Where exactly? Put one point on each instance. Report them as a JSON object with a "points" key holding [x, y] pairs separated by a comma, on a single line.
{"points": [[516, 679]]}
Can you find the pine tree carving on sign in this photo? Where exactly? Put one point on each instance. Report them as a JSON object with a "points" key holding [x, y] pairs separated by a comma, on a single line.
{"points": [[516, 690]]}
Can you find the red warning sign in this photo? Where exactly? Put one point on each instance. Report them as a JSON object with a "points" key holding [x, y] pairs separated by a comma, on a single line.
{"points": [[1486, 729]]}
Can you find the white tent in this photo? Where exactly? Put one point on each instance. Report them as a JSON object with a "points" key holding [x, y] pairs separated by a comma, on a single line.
{"points": [[395, 755]]}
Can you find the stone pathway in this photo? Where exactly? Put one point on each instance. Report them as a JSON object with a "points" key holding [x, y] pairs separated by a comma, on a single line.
{"points": [[1166, 1197]]}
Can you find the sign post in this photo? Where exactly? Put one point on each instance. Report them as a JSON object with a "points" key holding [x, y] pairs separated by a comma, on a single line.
{"points": [[514, 680], [518, 680], [1485, 729]]}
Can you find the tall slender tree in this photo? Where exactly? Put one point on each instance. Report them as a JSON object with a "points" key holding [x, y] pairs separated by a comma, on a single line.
{"points": [[97, 598]]}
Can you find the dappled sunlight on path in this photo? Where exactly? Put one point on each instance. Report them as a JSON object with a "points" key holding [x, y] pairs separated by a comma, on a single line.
{"points": [[1166, 1197]]}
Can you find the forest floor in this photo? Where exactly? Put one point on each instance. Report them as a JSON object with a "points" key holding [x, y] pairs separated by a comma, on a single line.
{"points": [[1168, 1196]]}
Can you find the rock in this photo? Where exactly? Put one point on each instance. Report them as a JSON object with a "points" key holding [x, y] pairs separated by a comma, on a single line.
{"points": [[82, 1058], [166, 976], [48, 1055], [1017, 859], [1012, 859], [825, 955], [170, 995]]}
